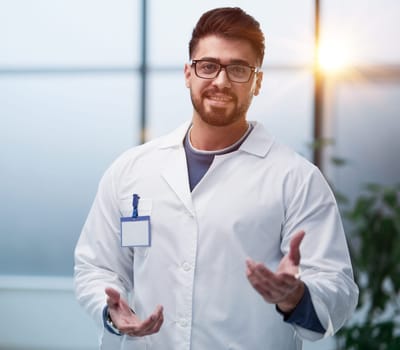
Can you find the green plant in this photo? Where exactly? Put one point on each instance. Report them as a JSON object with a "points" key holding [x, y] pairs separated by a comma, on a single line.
{"points": [[375, 249]]}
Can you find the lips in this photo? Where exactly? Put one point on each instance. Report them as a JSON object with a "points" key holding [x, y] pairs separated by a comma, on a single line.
{"points": [[219, 97]]}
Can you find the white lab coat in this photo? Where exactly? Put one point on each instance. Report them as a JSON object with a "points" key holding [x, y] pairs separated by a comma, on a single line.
{"points": [[248, 204]]}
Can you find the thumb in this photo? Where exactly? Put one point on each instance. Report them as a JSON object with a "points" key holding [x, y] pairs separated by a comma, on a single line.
{"points": [[294, 253], [113, 297]]}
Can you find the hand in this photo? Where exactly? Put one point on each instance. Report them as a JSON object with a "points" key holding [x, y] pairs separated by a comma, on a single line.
{"points": [[282, 287], [126, 321]]}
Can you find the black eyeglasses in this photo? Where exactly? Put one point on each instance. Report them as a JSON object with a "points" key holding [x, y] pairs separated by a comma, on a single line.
{"points": [[238, 73]]}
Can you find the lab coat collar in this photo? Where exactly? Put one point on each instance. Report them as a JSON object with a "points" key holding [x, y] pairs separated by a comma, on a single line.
{"points": [[175, 138], [258, 143]]}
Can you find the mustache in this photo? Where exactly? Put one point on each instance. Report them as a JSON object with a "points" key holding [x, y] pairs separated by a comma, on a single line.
{"points": [[224, 91]]}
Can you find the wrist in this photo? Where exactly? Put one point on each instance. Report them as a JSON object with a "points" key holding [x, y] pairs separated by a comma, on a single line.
{"points": [[108, 322], [290, 303]]}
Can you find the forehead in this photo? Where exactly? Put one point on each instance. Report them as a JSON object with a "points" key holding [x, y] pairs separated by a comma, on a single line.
{"points": [[225, 50]]}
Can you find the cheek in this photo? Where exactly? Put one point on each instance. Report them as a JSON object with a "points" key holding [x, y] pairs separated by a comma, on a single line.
{"points": [[197, 87], [248, 94]]}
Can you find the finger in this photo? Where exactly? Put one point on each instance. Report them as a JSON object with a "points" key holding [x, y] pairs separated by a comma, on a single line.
{"points": [[260, 279], [259, 274], [156, 326], [144, 328], [260, 270], [112, 293], [294, 253], [113, 296], [266, 275], [271, 285], [153, 319], [159, 324], [250, 264], [148, 326], [264, 285]]}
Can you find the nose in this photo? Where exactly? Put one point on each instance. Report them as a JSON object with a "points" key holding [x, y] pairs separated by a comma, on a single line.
{"points": [[222, 79]]}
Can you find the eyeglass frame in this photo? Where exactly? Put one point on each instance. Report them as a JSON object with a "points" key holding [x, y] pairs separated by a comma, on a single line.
{"points": [[253, 70]]}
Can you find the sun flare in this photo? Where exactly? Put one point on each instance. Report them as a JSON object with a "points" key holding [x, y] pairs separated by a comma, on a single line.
{"points": [[333, 58]]}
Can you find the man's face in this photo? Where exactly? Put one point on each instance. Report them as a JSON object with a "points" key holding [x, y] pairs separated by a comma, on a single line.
{"points": [[219, 101]]}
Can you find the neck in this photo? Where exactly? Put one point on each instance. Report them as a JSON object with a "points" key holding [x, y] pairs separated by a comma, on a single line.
{"points": [[211, 138]]}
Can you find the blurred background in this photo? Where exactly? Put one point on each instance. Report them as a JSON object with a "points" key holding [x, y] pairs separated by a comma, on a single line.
{"points": [[83, 80]]}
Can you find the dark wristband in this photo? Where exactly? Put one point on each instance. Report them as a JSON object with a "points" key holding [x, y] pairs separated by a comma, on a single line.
{"points": [[108, 323]]}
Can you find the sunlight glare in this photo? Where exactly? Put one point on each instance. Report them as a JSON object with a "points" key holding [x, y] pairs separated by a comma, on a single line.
{"points": [[333, 58]]}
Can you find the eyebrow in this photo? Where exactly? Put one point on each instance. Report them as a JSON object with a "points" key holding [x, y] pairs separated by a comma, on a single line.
{"points": [[232, 61]]}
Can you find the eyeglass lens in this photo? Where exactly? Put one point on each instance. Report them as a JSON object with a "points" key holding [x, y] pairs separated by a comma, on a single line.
{"points": [[235, 72]]}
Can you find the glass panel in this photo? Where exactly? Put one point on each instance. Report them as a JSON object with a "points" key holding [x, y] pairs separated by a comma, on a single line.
{"points": [[287, 25], [283, 106], [371, 112], [170, 103], [74, 32], [363, 32], [57, 137]]}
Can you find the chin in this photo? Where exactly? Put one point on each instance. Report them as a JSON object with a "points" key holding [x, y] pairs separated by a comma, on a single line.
{"points": [[216, 120]]}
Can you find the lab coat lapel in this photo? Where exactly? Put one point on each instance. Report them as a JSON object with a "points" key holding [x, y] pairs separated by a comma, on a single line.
{"points": [[175, 172], [176, 175]]}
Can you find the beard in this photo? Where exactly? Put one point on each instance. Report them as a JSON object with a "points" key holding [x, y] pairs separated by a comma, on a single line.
{"points": [[219, 116]]}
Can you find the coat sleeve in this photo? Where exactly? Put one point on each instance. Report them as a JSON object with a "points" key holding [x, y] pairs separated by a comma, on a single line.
{"points": [[100, 261], [325, 261]]}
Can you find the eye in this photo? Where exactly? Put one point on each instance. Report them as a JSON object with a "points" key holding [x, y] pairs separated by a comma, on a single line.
{"points": [[208, 67], [238, 69]]}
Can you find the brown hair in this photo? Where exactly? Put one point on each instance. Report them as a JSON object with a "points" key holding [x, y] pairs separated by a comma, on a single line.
{"points": [[229, 22]]}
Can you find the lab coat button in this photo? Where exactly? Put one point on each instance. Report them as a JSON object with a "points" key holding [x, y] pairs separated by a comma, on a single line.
{"points": [[186, 266], [183, 322]]}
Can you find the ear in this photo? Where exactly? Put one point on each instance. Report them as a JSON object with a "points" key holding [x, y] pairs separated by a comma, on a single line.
{"points": [[259, 78], [188, 73]]}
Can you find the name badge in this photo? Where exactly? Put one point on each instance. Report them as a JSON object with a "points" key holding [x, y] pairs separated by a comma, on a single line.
{"points": [[135, 230]]}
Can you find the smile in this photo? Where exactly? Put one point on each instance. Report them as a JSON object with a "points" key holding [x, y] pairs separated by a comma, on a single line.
{"points": [[220, 98]]}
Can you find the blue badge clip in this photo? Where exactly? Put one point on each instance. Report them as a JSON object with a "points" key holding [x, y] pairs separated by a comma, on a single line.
{"points": [[135, 203]]}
